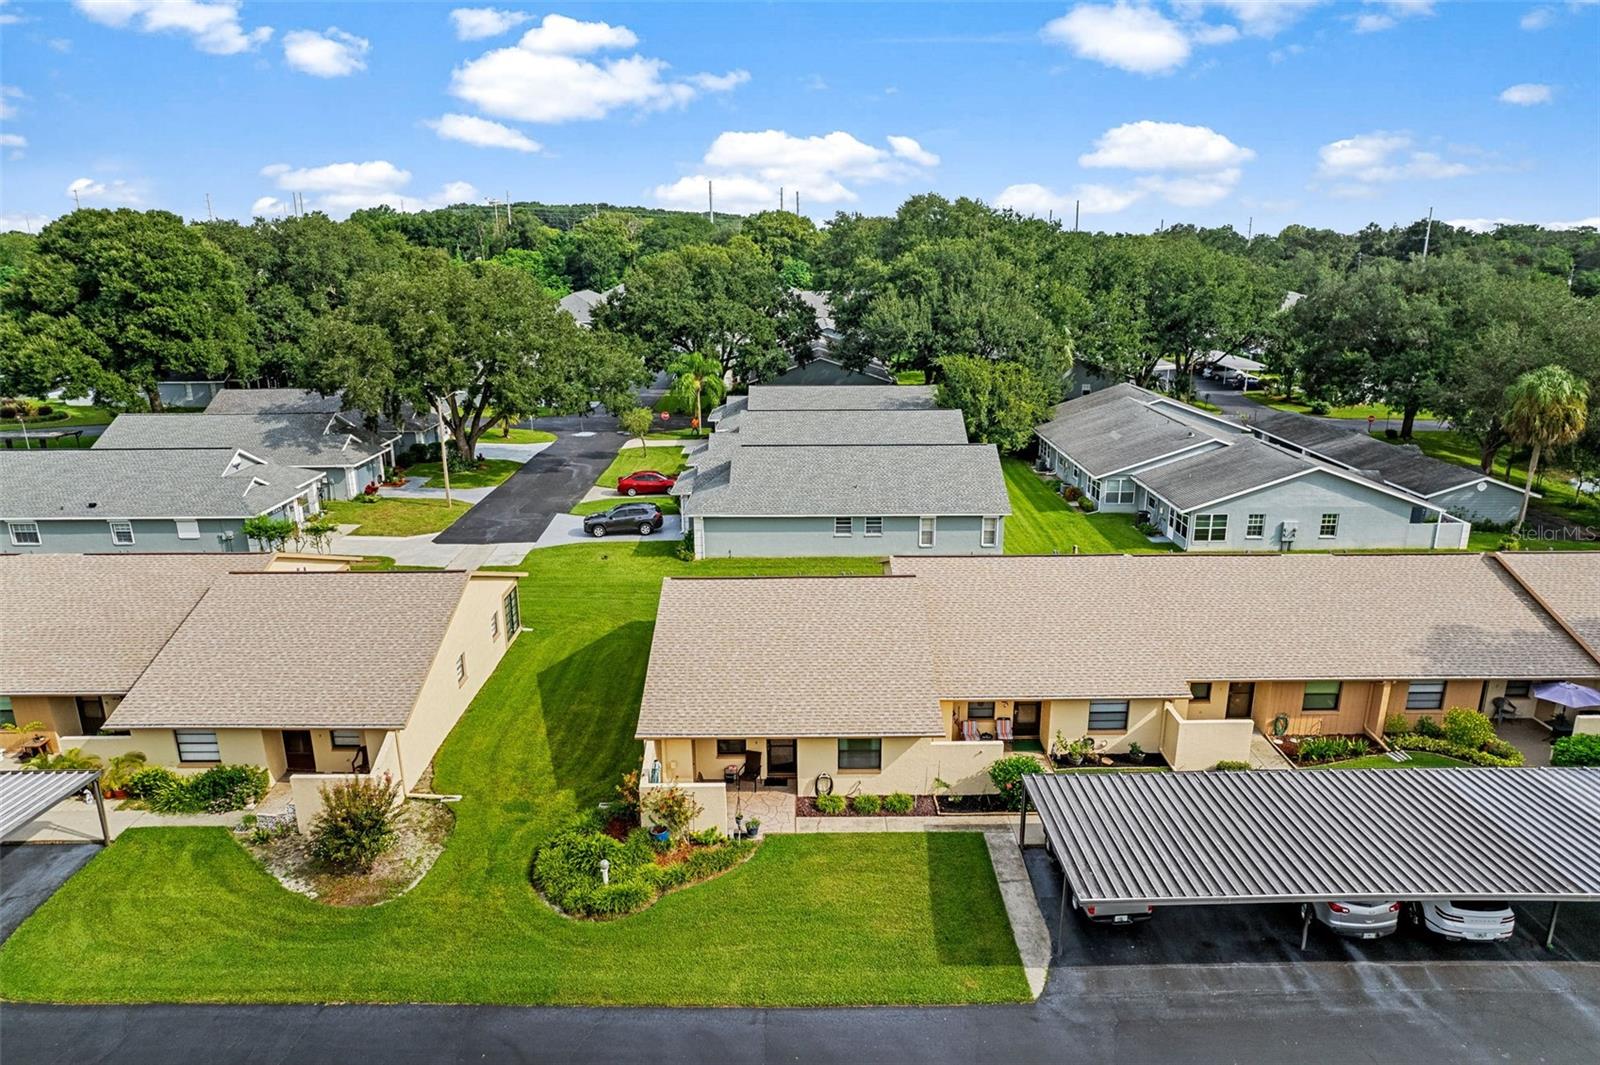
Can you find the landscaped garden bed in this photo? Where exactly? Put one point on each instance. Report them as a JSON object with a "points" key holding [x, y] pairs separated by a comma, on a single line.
{"points": [[420, 830], [640, 869], [1320, 750], [1463, 734], [958, 805], [864, 806]]}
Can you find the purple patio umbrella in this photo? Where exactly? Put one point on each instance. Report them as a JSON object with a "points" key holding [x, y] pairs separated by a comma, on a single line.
{"points": [[1566, 693]]}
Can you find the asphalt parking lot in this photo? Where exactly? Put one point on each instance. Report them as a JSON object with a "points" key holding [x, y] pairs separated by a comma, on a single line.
{"points": [[1270, 934]]}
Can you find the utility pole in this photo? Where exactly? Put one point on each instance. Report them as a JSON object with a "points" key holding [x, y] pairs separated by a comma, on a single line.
{"points": [[797, 201], [444, 454], [1249, 228], [77, 205], [1076, 204], [711, 204], [209, 216], [1427, 236], [780, 197]]}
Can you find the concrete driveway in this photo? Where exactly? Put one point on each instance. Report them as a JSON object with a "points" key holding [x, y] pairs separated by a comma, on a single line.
{"points": [[548, 484], [31, 873]]}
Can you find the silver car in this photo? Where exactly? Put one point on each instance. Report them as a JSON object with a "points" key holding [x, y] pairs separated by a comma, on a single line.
{"points": [[1359, 920], [1477, 920]]}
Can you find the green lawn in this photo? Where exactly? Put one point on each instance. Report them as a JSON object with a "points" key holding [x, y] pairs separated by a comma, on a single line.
{"points": [[491, 473], [668, 504], [517, 436], [633, 458], [1380, 411], [76, 418], [1558, 495], [395, 517], [1043, 523], [911, 377], [1419, 760], [385, 564], [186, 915]]}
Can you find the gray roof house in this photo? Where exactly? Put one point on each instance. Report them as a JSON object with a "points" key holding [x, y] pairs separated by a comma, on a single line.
{"points": [[334, 444], [581, 304], [413, 427], [158, 500], [1466, 493], [1208, 484], [823, 367], [822, 398]]}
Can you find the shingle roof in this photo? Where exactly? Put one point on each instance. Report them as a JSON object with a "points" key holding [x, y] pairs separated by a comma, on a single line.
{"points": [[200, 483], [1402, 465], [90, 624], [727, 412], [306, 401], [818, 656], [1569, 585], [314, 440], [298, 650], [581, 304], [841, 397], [1222, 473], [1125, 626], [831, 428], [852, 480], [1115, 429]]}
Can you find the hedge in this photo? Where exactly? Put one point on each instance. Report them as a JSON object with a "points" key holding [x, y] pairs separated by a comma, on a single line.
{"points": [[1576, 750], [1495, 753], [566, 870]]}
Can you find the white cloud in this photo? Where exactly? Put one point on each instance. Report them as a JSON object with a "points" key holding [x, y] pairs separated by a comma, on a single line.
{"points": [[1381, 156], [330, 54], [214, 26], [1256, 18], [9, 94], [1487, 225], [1193, 190], [750, 167], [1526, 95], [339, 188], [115, 193], [1538, 19], [1151, 145], [1221, 33], [26, 223], [13, 140], [476, 23], [910, 150], [1390, 14], [267, 206], [1032, 199], [9, 17], [1135, 38], [469, 129], [542, 78]]}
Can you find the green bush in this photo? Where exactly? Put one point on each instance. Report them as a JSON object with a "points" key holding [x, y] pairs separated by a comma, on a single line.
{"points": [[1087, 505], [1331, 748], [830, 804], [672, 809], [867, 805], [148, 781], [706, 836], [898, 803], [356, 823], [1397, 725], [1228, 765], [218, 790], [1506, 756], [1467, 728], [567, 870], [1006, 775], [1576, 750], [1427, 726]]}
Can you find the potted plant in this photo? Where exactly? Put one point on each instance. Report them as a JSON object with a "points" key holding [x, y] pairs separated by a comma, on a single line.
{"points": [[1076, 752], [753, 828], [1059, 748], [1135, 754]]}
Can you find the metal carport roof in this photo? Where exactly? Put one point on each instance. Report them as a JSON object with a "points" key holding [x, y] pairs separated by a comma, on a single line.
{"points": [[24, 795], [1356, 835]]}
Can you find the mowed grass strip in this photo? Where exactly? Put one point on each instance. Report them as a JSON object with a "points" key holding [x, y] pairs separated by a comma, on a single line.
{"points": [[186, 915], [1042, 523], [395, 517]]}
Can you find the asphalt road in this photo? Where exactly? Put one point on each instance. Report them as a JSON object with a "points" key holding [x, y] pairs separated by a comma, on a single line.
{"points": [[31, 874], [547, 484]]}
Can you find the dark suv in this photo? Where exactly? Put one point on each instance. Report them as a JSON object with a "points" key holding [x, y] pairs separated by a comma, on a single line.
{"points": [[642, 518]]}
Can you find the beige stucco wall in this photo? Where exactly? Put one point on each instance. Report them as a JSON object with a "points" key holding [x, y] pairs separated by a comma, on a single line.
{"points": [[910, 764], [1070, 717], [58, 713], [1586, 725], [713, 800], [306, 788], [237, 746], [1201, 743], [442, 700], [291, 562]]}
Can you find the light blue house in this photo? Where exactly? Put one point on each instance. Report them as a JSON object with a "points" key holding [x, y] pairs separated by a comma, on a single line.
{"points": [[146, 501], [411, 428]]}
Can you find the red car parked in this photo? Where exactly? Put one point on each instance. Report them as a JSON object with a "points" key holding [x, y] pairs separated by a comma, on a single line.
{"points": [[645, 483]]}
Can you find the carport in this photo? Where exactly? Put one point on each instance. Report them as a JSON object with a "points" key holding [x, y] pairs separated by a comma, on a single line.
{"points": [[25, 794], [1218, 838]]}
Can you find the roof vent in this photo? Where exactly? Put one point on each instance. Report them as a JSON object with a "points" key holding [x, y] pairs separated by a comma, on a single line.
{"points": [[93, 505]]}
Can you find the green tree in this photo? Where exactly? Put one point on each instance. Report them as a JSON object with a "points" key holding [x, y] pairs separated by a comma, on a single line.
{"points": [[783, 235], [1545, 408], [635, 421], [1002, 402], [696, 379], [602, 249]]}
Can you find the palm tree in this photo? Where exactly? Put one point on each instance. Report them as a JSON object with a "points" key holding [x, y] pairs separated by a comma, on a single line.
{"points": [[696, 377], [1546, 408]]}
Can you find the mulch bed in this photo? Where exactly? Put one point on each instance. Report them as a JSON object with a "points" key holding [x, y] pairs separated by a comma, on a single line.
{"points": [[421, 832], [806, 806], [973, 804]]}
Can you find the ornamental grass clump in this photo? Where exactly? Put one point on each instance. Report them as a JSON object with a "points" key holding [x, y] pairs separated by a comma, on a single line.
{"points": [[356, 824]]}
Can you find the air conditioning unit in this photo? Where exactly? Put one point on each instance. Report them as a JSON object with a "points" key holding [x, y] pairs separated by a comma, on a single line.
{"points": [[1287, 531]]}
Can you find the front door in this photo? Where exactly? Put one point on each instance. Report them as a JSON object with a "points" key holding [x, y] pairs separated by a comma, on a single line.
{"points": [[781, 763], [297, 753], [1241, 699], [1025, 719], [91, 714]]}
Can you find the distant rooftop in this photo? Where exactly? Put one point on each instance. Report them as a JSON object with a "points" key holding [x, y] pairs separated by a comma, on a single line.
{"points": [[315, 440], [156, 483]]}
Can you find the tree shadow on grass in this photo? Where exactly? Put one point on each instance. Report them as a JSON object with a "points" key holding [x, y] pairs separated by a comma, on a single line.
{"points": [[590, 702], [970, 926]]}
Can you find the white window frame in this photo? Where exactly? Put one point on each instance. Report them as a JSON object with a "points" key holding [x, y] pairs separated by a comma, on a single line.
{"points": [[927, 531], [187, 528], [848, 525], [1180, 524], [872, 526], [118, 526], [494, 624], [1118, 491], [1093, 491], [461, 669], [1210, 529], [989, 532], [335, 733], [1257, 523], [195, 738], [1107, 706], [18, 526], [1322, 526]]}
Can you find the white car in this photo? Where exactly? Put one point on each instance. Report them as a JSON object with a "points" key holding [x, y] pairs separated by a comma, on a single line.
{"points": [[1116, 912], [1474, 920]]}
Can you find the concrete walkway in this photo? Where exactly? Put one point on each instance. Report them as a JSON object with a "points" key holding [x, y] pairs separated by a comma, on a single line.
{"points": [[1265, 755], [510, 452], [424, 550], [1022, 908], [421, 491]]}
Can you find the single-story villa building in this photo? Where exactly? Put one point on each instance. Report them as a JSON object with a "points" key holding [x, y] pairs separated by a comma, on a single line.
{"points": [[337, 445], [411, 428], [1208, 484], [292, 663], [822, 398], [916, 680], [159, 500], [823, 366]]}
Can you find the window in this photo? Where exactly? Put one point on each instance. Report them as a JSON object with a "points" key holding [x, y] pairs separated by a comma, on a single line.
{"points": [[188, 529], [1320, 695], [461, 668], [860, 754], [1108, 716], [1255, 526], [122, 533], [843, 527], [725, 747], [872, 526], [494, 625], [513, 609], [980, 710], [991, 532], [197, 746], [1329, 527], [1119, 490], [25, 533], [1200, 692], [345, 737], [1093, 490], [1425, 695], [1518, 689], [7, 715], [926, 528], [1180, 524], [1210, 528]]}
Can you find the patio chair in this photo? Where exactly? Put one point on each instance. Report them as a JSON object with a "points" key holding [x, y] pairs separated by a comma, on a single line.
{"points": [[1503, 709], [1002, 729], [969, 730], [752, 769]]}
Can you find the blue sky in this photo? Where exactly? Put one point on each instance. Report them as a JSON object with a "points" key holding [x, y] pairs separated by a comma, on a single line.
{"points": [[1208, 111]]}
